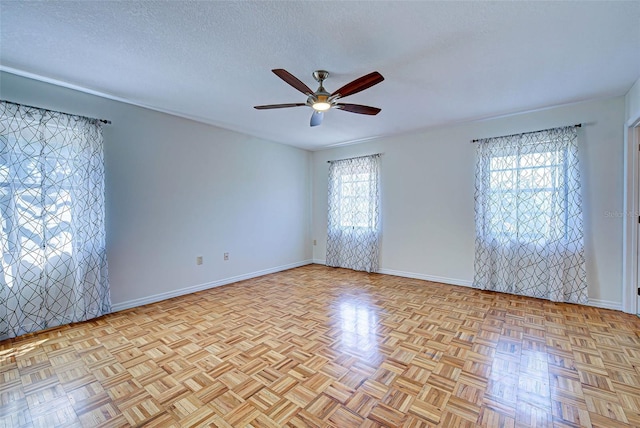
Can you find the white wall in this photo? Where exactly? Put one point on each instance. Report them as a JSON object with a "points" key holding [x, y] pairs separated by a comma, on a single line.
{"points": [[176, 189], [632, 102], [428, 184], [631, 301]]}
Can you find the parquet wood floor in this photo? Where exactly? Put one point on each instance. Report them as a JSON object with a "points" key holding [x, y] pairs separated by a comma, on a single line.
{"points": [[322, 347]]}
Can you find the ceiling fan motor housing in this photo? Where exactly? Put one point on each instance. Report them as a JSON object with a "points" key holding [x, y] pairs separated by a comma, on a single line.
{"points": [[319, 100]]}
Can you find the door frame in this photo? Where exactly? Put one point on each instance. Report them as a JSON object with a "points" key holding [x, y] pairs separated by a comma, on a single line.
{"points": [[631, 215]]}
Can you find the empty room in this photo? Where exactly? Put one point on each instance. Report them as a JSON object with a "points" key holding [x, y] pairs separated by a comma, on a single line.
{"points": [[319, 214]]}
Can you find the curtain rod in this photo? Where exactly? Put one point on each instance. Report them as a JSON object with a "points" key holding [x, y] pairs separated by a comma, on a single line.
{"points": [[577, 125], [357, 157], [105, 121]]}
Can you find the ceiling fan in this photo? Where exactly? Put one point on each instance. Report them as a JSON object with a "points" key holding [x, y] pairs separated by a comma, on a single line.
{"points": [[321, 100]]}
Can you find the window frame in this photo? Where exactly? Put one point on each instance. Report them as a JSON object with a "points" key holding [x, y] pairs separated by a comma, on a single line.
{"points": [[557, 175], [15, 188], [346, 221]]}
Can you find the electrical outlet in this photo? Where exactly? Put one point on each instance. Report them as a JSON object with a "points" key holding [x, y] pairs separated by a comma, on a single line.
{"points": [[199, 260], [226, 256]]}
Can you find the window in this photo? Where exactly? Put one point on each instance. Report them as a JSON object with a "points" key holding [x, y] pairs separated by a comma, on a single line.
{"points": [[35, 204], [353, 222], [356, 204], [524, 191], [528, 214], [53, 266]]}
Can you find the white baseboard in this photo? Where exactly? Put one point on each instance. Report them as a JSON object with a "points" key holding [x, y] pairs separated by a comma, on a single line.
{"points": [[605, 304], [441, 279], [598, 303], [188, 290], [432, 278]]}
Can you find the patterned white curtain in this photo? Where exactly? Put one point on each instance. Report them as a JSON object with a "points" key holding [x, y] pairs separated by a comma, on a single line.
{"points": [[353, 234], [53, 269], [528, 208]]}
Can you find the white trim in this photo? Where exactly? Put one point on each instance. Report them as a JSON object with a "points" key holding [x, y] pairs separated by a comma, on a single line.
{"points": [[630, 223], [64, 84], [432, 278], [452, 123], [130, 101], [605, 304], [632, 123], [188, 290], [231, 127]]}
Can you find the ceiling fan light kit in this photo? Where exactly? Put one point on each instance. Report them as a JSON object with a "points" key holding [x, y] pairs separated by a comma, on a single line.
{"points": [[321, 100], [321, 106]]}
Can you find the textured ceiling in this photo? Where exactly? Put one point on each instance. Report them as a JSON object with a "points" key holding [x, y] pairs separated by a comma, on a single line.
{"points": [[443, 62]]}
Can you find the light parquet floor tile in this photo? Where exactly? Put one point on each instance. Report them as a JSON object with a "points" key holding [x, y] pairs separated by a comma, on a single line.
{"points": [[323, 347]]}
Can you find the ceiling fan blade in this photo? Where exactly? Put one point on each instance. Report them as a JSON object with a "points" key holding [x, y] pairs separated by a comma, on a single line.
{"points": [[292, 80], [316, 118], [359, 84], [270, 106], [357, 108]]}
